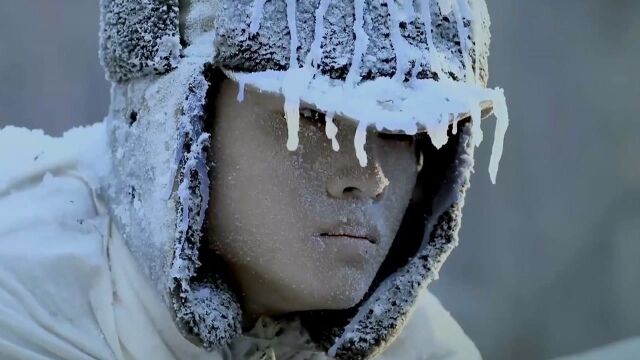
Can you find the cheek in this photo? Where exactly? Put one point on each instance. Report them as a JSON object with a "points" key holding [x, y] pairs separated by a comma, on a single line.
{"points": [[254, 198], [400, 168], [400, 165]]}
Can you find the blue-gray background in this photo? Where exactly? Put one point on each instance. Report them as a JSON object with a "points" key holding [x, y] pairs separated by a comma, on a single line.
{"points": [[549, 262]]}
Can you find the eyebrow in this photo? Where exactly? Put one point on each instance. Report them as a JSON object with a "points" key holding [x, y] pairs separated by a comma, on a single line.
{"points": [[315, 113]]}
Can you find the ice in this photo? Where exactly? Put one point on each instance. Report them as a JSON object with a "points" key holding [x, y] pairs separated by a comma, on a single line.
{"points": [[292, 88], [434, 60], [293, 29], [398, 41], [256, 15], [315, 53], [438, 132], [331, 130], [502, 123], [454, 126], [359, 142], [361, 43], [241, 88]]}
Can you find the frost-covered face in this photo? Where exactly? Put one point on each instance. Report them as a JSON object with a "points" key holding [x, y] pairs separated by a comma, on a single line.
{"points": [[308, 229]]}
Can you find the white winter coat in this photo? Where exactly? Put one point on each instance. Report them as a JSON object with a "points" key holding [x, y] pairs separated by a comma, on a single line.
{"points": [[70, 288]]}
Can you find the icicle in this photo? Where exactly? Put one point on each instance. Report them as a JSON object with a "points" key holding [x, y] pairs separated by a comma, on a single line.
{"points": [[315, 53], [438, 132], [397, 40], [361, 44], [241, 88], [434, 59], [331, 130], [292, 114], [295, 82], [454, 125], [463, 35], [256, 15], [290, 88], [359, 142], [502, 123]]}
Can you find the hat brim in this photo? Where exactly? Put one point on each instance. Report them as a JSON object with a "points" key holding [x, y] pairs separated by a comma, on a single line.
{"points": [[422, 105]]}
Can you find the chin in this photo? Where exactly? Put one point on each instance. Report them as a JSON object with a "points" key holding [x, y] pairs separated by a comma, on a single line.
{"points": [[347, 302], [341, 297]]}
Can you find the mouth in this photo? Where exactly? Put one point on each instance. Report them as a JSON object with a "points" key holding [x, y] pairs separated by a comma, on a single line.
{"points": [[350, 235]]}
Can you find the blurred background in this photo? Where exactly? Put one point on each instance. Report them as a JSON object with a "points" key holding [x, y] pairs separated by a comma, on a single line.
{"points": [[549, 262]]}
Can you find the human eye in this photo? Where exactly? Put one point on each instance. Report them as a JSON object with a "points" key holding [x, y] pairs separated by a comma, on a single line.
{"points": [[312, 117]]}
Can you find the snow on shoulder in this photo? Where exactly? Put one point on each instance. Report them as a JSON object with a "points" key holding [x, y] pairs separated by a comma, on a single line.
{"points": [[25, 153]]}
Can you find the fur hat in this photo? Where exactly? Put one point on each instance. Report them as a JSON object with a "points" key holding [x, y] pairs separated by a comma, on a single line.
{"points": [[407, 66]]}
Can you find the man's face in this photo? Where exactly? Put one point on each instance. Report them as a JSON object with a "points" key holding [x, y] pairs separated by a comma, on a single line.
{"points": [[308, 229]]}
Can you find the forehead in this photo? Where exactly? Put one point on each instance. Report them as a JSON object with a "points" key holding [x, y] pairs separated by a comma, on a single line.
{"points": [[236, 96], [248, 100]]}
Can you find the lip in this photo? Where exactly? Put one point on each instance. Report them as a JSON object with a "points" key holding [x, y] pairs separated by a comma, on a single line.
{"points": [[351, 232]]}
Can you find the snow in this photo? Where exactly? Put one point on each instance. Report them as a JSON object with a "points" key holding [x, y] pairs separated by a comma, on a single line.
{"points": [[24, 153]]}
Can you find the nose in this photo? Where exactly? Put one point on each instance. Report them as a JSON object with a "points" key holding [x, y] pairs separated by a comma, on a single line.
{"points": [[356, 182]]}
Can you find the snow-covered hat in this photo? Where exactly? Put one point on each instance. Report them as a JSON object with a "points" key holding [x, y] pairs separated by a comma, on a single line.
{"points": [[409, 66]]}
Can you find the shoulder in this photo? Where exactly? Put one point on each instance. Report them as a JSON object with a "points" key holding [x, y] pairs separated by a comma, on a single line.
{"points": [[52, 257], [26, 155], [46, 189], [431, 333], [49, 223]]}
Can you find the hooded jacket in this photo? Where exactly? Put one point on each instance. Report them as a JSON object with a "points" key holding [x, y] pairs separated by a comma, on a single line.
{"points": [[164, 57], [70, 288]]}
